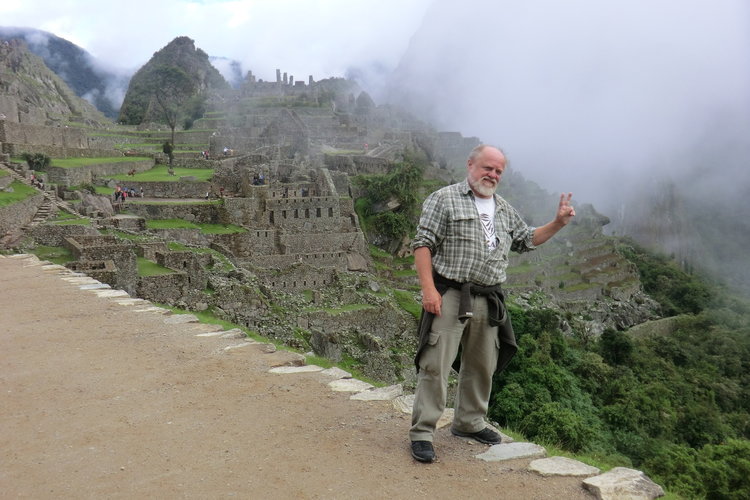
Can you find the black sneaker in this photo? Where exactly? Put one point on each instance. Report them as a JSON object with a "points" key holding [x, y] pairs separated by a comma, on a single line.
{"points": [[423, 451], [486, 435]]}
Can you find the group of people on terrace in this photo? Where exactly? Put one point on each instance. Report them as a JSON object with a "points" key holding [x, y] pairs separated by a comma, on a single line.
{"points": [[37, 182], [122, 193]]}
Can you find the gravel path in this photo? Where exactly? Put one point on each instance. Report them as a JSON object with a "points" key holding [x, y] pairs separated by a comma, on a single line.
{"points": [[100, 398]]}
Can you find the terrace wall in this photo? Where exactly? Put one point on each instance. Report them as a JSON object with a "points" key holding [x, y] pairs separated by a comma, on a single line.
{"points": [[178, 189], [205, 213], [87, 174], [19, 214]]}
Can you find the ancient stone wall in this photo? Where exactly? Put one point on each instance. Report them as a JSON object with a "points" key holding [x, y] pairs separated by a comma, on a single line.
{"points": [[56, 151], [9, 108], [297, 278], [312, 243], [243, 211], [336, 260], [19, 214], [20, 133], [205, 213], [57, 142], [185, 189], [310, 214], [164, 289], [150, 249], [88, 174], [5, 180], [186, 236], [246, 245], [104, 248], [193, 265], [104, 271], [54, 234]]}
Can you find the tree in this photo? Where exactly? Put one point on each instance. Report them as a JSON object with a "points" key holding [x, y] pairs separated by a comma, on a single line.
{"points": [[168, 150], [172, 88], [37, 161], [616, 347]]}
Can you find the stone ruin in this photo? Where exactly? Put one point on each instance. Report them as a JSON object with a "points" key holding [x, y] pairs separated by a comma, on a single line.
{"points": [[299, 233]]}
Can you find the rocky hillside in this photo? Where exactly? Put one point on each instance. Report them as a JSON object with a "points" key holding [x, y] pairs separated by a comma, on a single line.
{"points": [[179, 57], [75, 66], [31, 93]]}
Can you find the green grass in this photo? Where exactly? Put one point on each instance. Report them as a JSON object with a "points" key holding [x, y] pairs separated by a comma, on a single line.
{"points": [[150, 268], [160, 173], [3, 173], [523, 268], [404, 273], [174, 202], [407, 302], [376, 252], [183, 224], [83, 162], [20, 192], [72, 222], [580, 286], [56, 255], [343, 309], [61, 216], [221, 229]]}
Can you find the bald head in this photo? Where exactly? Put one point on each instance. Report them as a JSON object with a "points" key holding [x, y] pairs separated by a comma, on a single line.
{"points": [[485, 166]]}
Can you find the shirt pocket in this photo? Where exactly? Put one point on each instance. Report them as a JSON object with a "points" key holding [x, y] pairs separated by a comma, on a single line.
{"points": [[463, 225]]}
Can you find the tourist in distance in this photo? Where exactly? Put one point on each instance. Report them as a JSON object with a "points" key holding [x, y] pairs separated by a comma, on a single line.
{"points": [[461, 253]]}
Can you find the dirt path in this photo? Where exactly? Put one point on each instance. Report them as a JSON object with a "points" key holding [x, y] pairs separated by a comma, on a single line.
{"points": [[100, 401]]}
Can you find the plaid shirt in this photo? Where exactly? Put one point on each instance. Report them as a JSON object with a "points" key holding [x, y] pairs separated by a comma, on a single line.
{"points": [[450, 227]]}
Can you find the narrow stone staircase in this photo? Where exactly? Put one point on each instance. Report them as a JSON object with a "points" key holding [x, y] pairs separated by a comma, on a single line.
{"points": [[49, 207]]}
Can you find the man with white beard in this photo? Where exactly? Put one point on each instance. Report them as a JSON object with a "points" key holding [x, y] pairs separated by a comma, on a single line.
{"points": [[461, 253]]}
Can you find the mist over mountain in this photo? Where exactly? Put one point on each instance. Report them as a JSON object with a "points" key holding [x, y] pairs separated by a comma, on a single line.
{"points": [[641, 108], [230, 69], [180, 56], [90, 79]]}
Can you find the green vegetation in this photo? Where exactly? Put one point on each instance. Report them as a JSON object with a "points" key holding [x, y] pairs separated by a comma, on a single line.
{"points": [[37, 161], [343, 309], [76, 221], [20, 192], [400, 185], [56, 255], [82, 162], [183, 224], [160, 173], [150, 268], [408, 303], [675, 403], [172, 202], [677, 291]]}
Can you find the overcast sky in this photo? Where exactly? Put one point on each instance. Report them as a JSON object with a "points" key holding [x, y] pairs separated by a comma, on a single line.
{"points": [[593, 96], [302, 37], [581, 93]]}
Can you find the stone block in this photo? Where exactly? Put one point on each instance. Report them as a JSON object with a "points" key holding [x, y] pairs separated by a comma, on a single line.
{"points": [[380, 394], [562, 466], [622, 483], [512, 451]]}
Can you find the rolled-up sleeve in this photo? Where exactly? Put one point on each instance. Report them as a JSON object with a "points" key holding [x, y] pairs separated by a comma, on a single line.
{"points": [[521, 233], [432, 224]]}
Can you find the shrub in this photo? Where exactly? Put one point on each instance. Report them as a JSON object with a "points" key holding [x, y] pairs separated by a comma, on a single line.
{"points": [[555, 424], [37, 161]]}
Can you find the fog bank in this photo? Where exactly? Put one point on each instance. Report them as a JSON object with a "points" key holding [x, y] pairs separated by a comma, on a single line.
{"points": [[588, 96]]}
